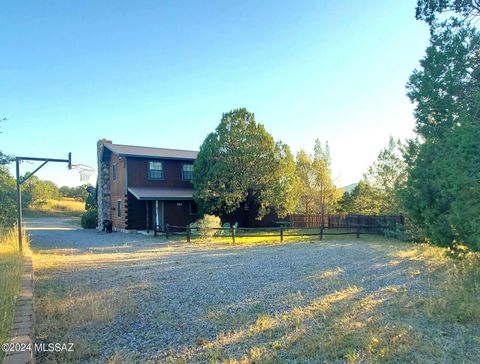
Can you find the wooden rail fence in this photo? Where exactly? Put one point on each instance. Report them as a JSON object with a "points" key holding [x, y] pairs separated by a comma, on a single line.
{"points": [[333, 221], [281, 232]]}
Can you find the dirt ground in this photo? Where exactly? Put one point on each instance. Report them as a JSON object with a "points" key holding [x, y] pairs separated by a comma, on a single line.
{"points": [[132, 298]]}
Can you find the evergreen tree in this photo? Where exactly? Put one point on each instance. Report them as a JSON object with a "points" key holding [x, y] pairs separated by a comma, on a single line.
{"points": [[240, 169]]}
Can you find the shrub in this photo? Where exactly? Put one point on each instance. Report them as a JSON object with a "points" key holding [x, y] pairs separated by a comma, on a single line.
{"points": [[89, 219], [90, 203], [206, 226], [8, 208]]}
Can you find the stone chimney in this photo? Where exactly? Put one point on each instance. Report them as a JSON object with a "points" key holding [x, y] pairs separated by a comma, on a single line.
{"points": [[103, 184]]}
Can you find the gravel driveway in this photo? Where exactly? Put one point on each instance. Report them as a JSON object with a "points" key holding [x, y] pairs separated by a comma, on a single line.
{"points": [[145, 299]]}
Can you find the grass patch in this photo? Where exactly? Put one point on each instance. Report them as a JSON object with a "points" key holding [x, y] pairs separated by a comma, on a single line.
{"points": [[11, 262], [52, 208], [273, 237], [65, 306], [457, 299]]}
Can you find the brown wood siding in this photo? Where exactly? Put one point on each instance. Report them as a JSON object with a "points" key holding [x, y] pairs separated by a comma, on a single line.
{"points": [[136, 213], [118, 191], [178, 213], [172, 172]]}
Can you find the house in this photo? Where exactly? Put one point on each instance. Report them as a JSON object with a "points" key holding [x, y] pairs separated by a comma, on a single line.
{"points": [[140, 187]]}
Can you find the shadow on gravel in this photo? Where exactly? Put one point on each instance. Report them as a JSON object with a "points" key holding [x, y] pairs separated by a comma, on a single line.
{"points": [[135, 298]]}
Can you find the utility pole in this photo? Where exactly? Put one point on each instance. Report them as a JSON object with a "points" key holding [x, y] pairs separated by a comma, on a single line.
{"points": [[20, 181]]}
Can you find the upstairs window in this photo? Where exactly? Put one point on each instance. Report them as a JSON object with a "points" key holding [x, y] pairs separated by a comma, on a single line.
{"points": [[114, 171], [187, 171], [155, 170]]}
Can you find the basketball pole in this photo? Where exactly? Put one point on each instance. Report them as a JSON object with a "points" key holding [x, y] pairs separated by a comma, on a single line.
{"points": [[21, 181]]}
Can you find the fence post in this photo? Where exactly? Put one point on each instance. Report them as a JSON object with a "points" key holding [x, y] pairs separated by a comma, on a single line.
{"points": [[232, 229], [321, 232], [281, 234], [358, 232], [188, 233], [167, 230]]}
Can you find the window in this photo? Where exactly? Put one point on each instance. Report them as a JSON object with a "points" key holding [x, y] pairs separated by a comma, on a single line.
{"points": [[193, 208], [187, 171], [119, 208], [155, 170], [114, 171]]}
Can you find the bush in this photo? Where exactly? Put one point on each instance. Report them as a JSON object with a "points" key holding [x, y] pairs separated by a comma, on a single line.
{"points": [[206, 226], [8, 207], [89, 219]]}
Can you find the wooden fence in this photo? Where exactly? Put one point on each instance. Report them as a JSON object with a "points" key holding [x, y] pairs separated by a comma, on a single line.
{"points": [[281, 232], [305, 221], [371, 222]]}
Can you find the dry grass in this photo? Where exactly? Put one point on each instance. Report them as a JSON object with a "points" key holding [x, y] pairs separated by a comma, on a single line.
{"points": [[64, 207], [64, 306], [10, 271], [352, 326]]}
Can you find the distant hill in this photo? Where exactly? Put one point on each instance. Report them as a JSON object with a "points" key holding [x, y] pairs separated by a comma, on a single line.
{"points": [[350, 187]]}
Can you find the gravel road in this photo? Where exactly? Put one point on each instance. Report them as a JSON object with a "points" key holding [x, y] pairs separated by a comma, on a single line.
{"points": [[168, 296]]}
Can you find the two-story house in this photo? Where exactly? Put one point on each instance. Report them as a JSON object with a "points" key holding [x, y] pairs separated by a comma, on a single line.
{"points": [[140, 187]]}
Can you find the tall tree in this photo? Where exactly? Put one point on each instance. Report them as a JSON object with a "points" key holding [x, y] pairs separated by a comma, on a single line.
{"points": [[430, 10], [323, 179], [443, 185], [307, 183], [241, 169], [387, 175], [318, 194]]}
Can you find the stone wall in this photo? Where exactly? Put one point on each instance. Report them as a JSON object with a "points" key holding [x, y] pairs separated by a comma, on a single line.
{"points": [[103, 185]]}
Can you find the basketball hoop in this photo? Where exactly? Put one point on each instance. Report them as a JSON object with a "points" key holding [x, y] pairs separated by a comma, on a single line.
{"points": [[84, 171]]}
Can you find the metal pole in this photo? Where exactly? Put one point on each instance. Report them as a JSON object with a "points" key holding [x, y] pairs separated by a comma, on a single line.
{"points": [[19, 183], [19, 206]]}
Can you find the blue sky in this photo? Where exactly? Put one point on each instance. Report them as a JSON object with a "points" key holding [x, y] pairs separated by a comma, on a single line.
{"points": [[161, 73]]}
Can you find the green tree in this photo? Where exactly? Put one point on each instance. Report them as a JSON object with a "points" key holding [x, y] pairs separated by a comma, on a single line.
{"points": [[323, 179], [364, 199], [441, 195], [35, 189], [5, 158], [27, 189], [387, 175], [241, 169], [78, 192], [306, 176], [430, 10], [7, 198], [45, 190]]}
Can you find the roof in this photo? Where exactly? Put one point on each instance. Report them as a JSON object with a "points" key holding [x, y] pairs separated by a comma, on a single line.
{"points": [[136, 151], [159, 193]]}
